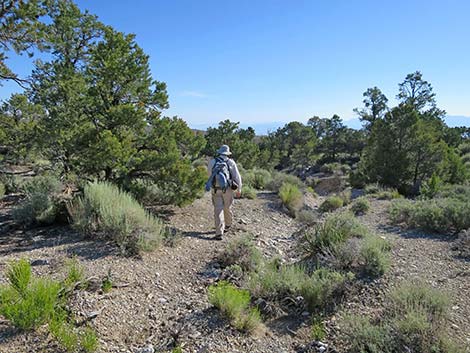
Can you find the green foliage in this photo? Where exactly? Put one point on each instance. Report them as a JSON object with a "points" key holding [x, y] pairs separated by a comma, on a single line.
{"points": [[242, 252], [105, 208], [64, 332], [241, 141], [375, 255], [334, 230], [107, 285], [307, 217], [280, 179], [291, 197], [235, 304], [360, 206], [345, 195], [276, 282], [75, 272], [442, 215], [375, 105], [2, 190], [388, 194], [256, 178], [89, 340], [415, 320], [364, 337], [248, 192], [40, 205], [27, 303], [317, 331], [431, 187], [331, 203]]}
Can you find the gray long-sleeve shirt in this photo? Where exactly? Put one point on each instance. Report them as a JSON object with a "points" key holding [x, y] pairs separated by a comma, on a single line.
{"points": [[233, 169]]}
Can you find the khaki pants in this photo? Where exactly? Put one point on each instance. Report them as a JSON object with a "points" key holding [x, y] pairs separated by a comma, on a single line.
{"points": [[223, 215]]}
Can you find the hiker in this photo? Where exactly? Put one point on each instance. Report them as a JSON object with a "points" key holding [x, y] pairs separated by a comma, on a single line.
{"points": [[224, 181]]}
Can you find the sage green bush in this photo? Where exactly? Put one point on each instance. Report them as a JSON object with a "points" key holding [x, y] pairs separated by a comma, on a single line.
{"points": [[104, 208], [234, 303], [291, 197], [331, 203], [360, 206]]}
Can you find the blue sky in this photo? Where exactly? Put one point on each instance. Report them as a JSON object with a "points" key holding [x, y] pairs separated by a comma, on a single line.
{"points": [[270, 60]]}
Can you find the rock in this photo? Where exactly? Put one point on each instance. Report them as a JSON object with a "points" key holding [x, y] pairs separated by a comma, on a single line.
{"points": [[39, 262], [162, 300], [148, 349]]}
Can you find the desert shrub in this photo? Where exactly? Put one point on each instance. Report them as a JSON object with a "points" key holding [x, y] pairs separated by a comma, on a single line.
{"points": [[462, 245], [248, 192], [360, 206], [345, 195], [256, 178], [307, 217], [336, 229], [363, 336], [278, 282], [414, 321], [235, 304], [431, 187], [291, 197], [2, 190], [282, 178], [375, 255], [149, 193], [331, 203], [372, 189], [317, 331], [437, 215], [357, 179], [389, 194], [457, 192], [41, 202], [27, 303], [200, 163], [105, 208], [241, 251], [330, 168]]}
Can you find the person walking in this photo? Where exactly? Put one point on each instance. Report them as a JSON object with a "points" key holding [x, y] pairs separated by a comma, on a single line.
{"points": [[224, 181]]}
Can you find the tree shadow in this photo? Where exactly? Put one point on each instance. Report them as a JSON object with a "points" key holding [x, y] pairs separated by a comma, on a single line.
{"points": [[417, 233], [20, 241]]}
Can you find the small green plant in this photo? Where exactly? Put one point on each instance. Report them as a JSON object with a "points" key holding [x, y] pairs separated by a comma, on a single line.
{"points": [[291, 197], [2, 190], [388, 195], [241, 251], [375, 255], [107, 285], [177, 349], [363, 336], [75, 272], [331, 203], [105, 208], [27, 303], [317, 330], [64, 332], [360, 206], [235, 304], [89, 340], [248, 192]]}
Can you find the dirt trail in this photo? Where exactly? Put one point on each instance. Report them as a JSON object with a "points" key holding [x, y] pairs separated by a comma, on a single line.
{"points": [[165, 292], [162, 297]]}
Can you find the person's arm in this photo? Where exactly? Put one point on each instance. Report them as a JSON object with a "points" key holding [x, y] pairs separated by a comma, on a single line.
{"points": [[236, 176], [210, 166]]}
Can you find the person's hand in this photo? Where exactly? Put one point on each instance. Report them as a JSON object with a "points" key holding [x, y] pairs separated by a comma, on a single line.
{"points": [[238, 194]]}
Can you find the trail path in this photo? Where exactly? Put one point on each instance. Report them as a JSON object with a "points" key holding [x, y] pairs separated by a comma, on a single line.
{"points": [[162, 296]]}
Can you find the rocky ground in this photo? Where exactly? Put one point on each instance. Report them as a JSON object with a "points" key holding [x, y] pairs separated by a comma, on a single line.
{"points": [[160, 299]]}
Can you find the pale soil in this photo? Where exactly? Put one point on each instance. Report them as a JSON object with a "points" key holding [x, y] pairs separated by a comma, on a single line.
{"points": [[162, 297]]}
